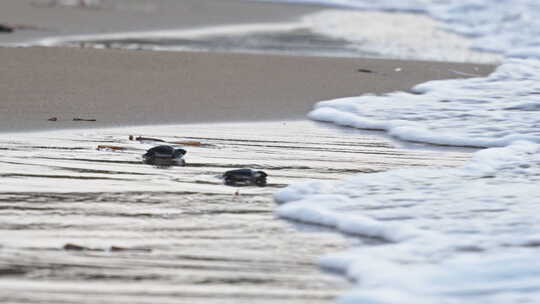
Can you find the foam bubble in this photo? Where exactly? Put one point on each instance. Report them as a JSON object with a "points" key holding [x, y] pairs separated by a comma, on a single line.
{"points": [[447, 235], [480, 112]]}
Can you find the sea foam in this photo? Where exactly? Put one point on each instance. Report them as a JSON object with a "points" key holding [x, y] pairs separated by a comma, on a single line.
{"points": [[446, 235], [443, 235], [481, 112]]}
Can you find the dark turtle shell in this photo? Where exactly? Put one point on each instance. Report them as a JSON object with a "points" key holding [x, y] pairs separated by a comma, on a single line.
{"points": [[4, 28], [244, 177], [163, 154]]}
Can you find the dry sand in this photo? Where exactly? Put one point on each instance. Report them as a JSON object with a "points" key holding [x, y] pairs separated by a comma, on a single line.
{"points": [[138, 87]]}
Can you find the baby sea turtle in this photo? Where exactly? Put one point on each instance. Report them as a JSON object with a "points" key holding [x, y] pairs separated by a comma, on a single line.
{"points": [[4, 28], [164, 156], [244, 177]]}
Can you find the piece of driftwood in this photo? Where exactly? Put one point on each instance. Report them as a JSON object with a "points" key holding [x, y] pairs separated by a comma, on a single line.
{"points": [[364, 71], [187, 143], [109, 147], [75, 247], [131, 137], [83, 119]]}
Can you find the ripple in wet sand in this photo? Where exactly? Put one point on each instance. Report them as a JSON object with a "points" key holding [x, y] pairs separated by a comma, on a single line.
{"points": [[187, 237]]}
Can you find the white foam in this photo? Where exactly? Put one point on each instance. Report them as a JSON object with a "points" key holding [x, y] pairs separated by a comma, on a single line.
{"points": [[476, 227], [484, 112], [503, 279], [317, 211], [449, 235], [403, 35], [480, 112], [230, 30], [382, 34]]}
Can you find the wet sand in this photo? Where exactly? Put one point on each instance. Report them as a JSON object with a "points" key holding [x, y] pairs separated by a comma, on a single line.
{"points": [[187, 237]]}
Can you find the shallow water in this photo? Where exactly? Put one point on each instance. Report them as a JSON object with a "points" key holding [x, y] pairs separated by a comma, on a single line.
{"points": [[455, 235], [294, 39], [322, 32], [181, 235]]}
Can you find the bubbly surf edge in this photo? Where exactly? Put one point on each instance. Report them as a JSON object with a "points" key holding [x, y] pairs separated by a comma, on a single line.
{"points": [[432, 250], [475, 227]]}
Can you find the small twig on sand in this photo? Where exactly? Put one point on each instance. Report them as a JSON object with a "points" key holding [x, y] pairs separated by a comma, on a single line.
{"points": [[75, 247], [109, 147], [145, 138], [194, 143], [83, 119], [364, 71], [6, 28]]}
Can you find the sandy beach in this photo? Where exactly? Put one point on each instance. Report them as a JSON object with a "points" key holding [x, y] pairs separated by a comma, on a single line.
{"points": [[188, 238], [118, 87]]}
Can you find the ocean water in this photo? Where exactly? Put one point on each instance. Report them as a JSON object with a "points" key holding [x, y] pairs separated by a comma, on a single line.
{"points": [[461, 235], [329, 32]]}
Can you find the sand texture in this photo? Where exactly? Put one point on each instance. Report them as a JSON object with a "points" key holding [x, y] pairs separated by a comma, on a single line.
{"points": [[138, 87], [185, 237]]}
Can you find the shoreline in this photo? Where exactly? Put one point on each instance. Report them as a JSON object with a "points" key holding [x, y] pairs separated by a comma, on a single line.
{"points": [[39, 19], [234, 26]]}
